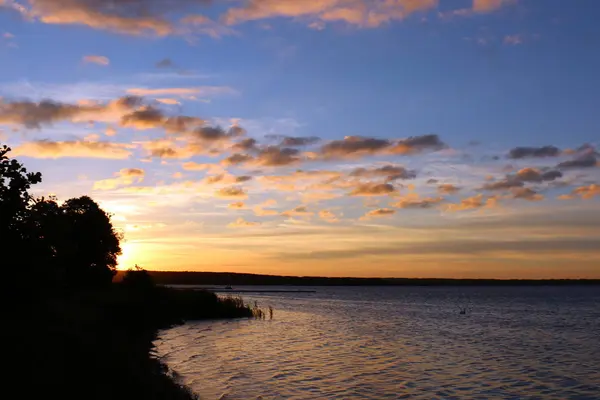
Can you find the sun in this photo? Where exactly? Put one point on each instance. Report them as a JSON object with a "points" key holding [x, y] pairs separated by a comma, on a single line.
{"points": [[127, 258]]}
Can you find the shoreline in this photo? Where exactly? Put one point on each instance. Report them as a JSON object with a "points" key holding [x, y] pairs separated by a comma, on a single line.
{"points": [[100, 345], [223, 279]]}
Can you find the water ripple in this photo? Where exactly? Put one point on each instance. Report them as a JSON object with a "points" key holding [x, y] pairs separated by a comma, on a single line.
{"points": [[392, 343]]}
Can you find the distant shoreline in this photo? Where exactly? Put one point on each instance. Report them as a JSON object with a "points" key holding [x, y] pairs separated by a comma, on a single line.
{"points": [[242, 279]]}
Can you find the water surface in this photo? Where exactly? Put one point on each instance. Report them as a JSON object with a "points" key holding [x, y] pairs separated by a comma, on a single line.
{"points": [[398, 342]]}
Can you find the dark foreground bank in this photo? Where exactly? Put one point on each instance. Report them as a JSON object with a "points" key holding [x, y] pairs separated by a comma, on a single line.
{"points": [[97, 344]]}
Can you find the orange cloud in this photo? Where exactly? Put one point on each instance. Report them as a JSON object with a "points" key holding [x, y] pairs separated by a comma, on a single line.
{"points": [[242, 223], [262, 212], [300, 211], [168, 101], [362, 13], [328, 216], [92, 59], [373, 189], [193, 166], [485, 6], [238, 205], [124, 177], [181, 92], [585, 192], [390, 172], [378, 213], [526, 194], [470, 203], [414, 201], [231, 192], [448, 188], [78, 149], [128, 17]]}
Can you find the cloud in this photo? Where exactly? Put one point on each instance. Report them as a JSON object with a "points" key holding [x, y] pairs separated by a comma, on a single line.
{"points": [[248, 144], [352, 146], [486, 6], [168, 101], [193, 166], [513, 40], [145, 118], [261, 212], [126, 176], [300, 211], [225, 178], [167, 148], [213, 133], [390, 172], [242, 223], [417, 144], [523, 176], [526, 194], [133, 17], [182, 91], [92, 59], [238, 205], [470, 203], [373, 189], [36, 114], [524, 152], [165, 63], [273, 156], [414, 201], [585, 192], [378, 213], [448, 188], [361, 13], [231, 192], [359, 146], [237, 159], [583, 161], [79, 149], [294, 141], [269, 156], [504, 184], [535, 175], [328, 216]]}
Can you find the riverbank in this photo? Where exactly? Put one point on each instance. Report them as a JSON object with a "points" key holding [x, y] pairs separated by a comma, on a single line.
{"points": [[97, 344]]}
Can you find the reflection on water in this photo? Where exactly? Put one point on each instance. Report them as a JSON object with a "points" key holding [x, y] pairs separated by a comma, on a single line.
{"points": [[389, 343]]}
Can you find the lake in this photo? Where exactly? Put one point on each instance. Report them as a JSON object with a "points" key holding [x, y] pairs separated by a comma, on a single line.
{"points": [[398, 342]]}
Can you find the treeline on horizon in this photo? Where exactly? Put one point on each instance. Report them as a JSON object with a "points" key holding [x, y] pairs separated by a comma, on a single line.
{"points": [[233, 279]]}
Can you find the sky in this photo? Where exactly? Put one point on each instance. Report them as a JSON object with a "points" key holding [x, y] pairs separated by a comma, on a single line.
{"points": [[395, 138]]}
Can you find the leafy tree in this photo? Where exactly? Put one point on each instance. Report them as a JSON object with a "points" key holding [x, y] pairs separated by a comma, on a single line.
{"points": [[72, 245], [92, 248], [15, 182], [15, 200]]}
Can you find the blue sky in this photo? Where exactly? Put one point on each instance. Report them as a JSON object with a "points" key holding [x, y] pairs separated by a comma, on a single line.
{"points": [[486, 76]]}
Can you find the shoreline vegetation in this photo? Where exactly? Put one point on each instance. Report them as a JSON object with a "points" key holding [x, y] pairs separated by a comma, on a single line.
{"points": [[241, 279], [71, 331]]}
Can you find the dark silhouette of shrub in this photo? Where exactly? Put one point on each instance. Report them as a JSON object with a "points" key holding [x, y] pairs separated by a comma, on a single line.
{"points": [[139, 279]]}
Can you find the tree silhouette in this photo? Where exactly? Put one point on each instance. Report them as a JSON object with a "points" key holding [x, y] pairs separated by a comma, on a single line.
{"points": [[71, 245]]}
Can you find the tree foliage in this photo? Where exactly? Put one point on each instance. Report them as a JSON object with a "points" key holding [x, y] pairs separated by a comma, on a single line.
{"points": [[70, 245]]}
